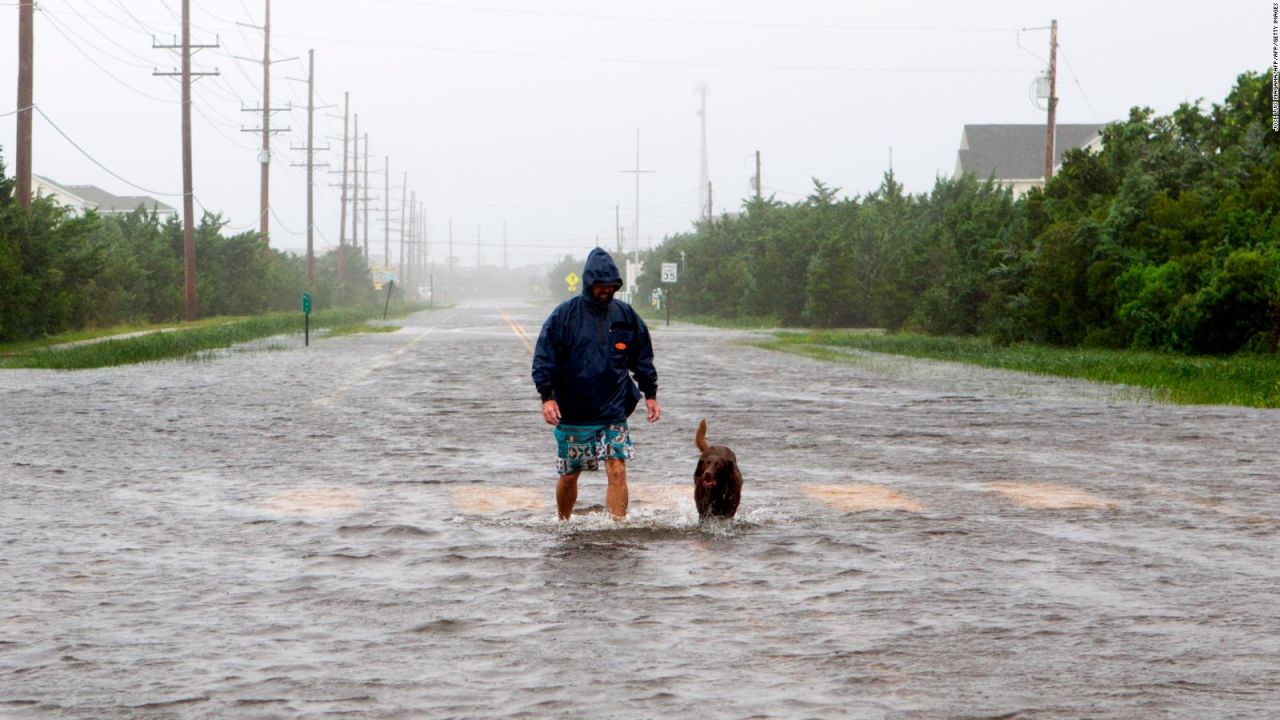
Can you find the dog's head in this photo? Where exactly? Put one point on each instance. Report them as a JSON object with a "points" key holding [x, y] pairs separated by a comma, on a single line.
{"points": [[717, 465]]}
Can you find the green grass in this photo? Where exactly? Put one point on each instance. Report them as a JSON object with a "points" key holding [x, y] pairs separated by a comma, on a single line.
{"points": [[360, 329], [1252, 381], [659, 317], [187, 340], [17, 348]]}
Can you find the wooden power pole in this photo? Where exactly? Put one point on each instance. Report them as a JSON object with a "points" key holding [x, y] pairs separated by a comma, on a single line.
{"points": [[386, 213], [264, 157], [366, 197], [1053, 101], [264, 154], [404, 199], [355, 190], [311, 117], [188, 195], [26, 98], [342, 213]]}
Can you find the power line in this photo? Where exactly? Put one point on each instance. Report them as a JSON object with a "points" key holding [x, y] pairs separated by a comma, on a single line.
{"points": [[95, 160], [145, 61], [667, 63], [684, 21], [57, 25], [1078, 85], [15, 112]]}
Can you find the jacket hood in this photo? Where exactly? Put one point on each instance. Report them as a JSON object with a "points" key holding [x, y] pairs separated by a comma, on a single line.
{"points": [[599, 269]]}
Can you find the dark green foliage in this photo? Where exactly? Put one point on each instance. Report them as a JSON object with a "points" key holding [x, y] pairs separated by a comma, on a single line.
{"points": [[1167, 239], [61, 272]]}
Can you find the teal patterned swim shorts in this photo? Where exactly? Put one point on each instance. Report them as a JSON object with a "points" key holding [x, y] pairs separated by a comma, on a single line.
{"points": [[579, 446]]}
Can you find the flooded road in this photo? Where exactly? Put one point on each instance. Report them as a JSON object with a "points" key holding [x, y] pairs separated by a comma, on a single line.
{"points": [[366, 528]]}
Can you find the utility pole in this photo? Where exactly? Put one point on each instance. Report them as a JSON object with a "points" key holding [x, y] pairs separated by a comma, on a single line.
{"points": [[636, 228], [311, 154], [1053, 101], [705, 170], [355, 190], [413, 234], [342, 213], [26, 100], [711, 214], [757, 176], [264, 154], [386, 213], [366, 197], [404, 198], [188, 195]]}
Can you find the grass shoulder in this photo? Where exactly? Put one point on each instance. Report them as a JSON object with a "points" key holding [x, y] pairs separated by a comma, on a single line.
{"points": [[1251, 381], [658, 317], [138, 344]]}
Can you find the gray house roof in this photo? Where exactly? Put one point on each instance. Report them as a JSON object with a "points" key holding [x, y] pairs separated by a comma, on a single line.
{"points": [[91, 197], [1016, 152], [105, 202]]}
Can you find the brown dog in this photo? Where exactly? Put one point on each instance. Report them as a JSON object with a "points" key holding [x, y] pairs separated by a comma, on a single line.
{"points": [[717, 482]]}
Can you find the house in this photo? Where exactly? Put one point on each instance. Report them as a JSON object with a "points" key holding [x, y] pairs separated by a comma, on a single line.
{"points": [[81, 198], [1014, 154]]}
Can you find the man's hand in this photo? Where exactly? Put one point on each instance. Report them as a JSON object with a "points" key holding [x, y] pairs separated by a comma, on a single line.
{"points": [[551, 412], [655, 410]]}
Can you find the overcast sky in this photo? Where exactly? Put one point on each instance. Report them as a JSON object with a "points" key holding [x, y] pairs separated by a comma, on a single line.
{"points": [[525, 111]]}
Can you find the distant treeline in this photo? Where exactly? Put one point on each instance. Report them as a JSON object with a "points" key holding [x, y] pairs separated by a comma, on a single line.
{"points": [[1166, 239], [60, 271]]}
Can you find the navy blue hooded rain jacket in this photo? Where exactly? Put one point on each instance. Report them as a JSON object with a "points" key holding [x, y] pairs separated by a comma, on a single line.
{"points": [[587, 353]]}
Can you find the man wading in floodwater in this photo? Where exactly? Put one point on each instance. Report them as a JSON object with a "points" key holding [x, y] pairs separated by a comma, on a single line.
{"points": [[587, 351]]}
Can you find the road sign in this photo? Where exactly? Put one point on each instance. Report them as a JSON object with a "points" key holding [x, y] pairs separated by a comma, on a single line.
{"points": [[306, 303], [572, 279], [669, 272]]}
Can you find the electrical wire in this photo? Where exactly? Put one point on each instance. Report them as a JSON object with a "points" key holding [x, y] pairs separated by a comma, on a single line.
{"points": [[144, 64], [57, 26], [682, 21], [15, 112], [667, 63], [1078, 85], [95, 160]]}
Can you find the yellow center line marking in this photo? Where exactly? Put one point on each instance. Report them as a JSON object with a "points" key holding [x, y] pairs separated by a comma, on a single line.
{"points": [[519, 331], [378, 362]]}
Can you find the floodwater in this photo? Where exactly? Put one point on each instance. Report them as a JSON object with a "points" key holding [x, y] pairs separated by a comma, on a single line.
{"points": [[366, 528]]}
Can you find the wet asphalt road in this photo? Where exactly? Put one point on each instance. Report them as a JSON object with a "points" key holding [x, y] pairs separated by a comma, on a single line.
{"points": [[366, 528]]}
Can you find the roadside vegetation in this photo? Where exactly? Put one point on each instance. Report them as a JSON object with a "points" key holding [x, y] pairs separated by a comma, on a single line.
{"points": [[171, 342], [1168, 238], [1154, 261], [63, 272], [1248, 380]]}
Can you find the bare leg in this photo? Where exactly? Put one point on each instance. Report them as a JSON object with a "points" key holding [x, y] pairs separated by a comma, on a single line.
{"points": [[615, 497], [566, 495]]}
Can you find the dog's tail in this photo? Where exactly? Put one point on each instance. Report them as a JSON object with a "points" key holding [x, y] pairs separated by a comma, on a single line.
{"points": [[701, 438]]}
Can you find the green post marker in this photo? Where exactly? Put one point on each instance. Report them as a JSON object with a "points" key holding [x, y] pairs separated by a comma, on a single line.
{"points": [[306, 319]]}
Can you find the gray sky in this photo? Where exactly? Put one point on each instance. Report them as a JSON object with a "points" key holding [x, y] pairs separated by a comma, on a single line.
{"points": [[525, 111]]}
